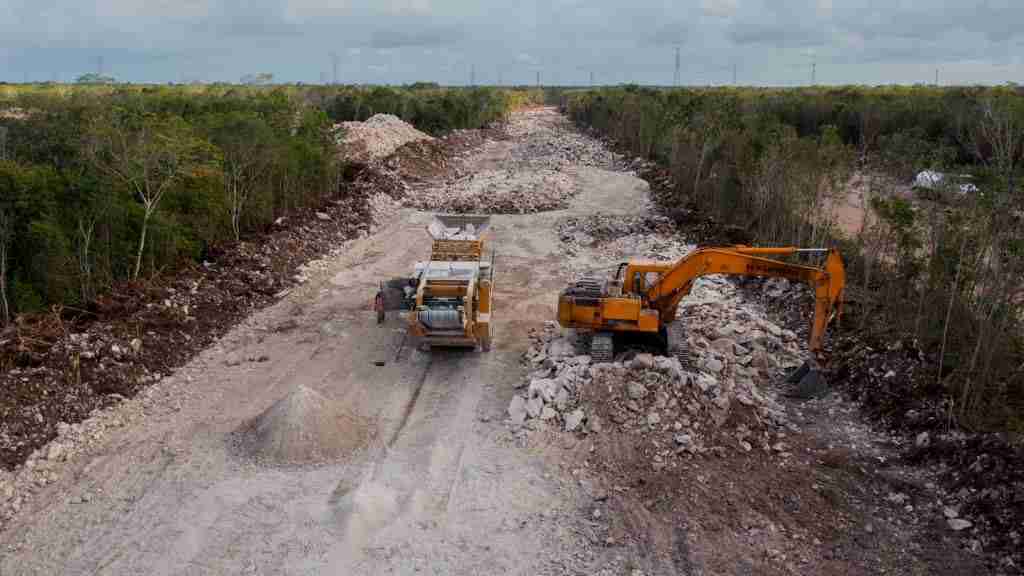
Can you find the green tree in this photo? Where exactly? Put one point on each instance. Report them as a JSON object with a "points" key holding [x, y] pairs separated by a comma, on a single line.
{"points": [[95, 78], [147, 155], [247, 144]]}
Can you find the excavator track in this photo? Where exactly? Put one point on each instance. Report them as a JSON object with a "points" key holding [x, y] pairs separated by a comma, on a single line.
{"points": [[678, 345], [602, 348]]}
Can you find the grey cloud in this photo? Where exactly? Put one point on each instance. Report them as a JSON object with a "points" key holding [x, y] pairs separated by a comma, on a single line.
{"points": [[670, 34], [854, 40], [794, 23], [419, 38]]}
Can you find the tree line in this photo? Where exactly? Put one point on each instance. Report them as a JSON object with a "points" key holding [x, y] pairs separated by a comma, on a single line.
{"points": [[104, 184], [940, 264]]}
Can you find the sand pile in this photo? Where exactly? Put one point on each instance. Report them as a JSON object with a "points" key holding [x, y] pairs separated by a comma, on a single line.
{"points": [[375, 139], [301, 428]]}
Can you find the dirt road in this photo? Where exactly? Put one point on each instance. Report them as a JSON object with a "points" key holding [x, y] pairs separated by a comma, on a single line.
{"points": [[417, 469], [436, 483]]}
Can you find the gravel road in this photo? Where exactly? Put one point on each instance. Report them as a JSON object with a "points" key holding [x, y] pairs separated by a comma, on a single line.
{"points": [[432, 479]]}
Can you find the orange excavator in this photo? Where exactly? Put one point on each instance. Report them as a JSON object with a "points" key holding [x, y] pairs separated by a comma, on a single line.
{"points": [[636, 310]]}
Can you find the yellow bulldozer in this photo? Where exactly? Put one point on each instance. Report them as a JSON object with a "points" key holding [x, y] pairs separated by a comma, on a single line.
{"points": [[448, 299], [636, 309]]}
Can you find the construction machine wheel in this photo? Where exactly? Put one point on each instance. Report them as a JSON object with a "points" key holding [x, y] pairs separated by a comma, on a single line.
{"points": [[602, 347], [678, 345]]}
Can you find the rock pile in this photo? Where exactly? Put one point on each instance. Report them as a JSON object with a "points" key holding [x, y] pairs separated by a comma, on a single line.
{"points": [[540, 175], [303, 427], [594, 229], [375, 139], [712, 407], [548, 140], [499, 192]]}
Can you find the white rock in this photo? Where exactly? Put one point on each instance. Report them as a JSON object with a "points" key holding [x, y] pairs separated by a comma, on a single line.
{"points": [[55, 452], [534, 406], [136, 345], [653, 419], [950, 512], [545, 388], [724, 345], [547, 413], [561, 348], [923, 440], [517, 410], [643, 361], [636, 390], [323, 216], [562, 399], [958, 524], [573, 420], [713, 365]]}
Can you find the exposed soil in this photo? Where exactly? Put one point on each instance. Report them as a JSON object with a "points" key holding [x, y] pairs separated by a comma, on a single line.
{"points": [[64, 365], [224, 466]]}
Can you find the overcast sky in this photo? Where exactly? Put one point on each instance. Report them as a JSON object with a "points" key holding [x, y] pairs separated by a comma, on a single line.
{"points": [[769, 42]]}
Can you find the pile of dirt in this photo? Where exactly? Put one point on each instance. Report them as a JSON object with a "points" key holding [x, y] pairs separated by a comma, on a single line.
{"points": [[577, 232], [546, 151], [304, 427], [375, 139], [56, 369], [716, 405], [499, 192], [419, 161]]}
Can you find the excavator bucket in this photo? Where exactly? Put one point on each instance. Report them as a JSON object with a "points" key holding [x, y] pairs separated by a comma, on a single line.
{"points": [[808, 381]]}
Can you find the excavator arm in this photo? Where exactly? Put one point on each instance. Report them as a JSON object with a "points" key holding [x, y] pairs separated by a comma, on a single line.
{"points": [[676, 280]]}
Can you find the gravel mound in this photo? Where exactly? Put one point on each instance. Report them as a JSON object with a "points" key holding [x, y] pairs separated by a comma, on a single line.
{"points": [[375, 139], [500, 192], [546, 153], [715, 406], [301, 428]]}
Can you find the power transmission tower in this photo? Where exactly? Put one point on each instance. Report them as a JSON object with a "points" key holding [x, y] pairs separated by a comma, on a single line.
{"points": [[936, 76], [591, 78], [675, 77], [334, 68], [472, 74], [538, 78], [734, 74], [814, 73]]}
